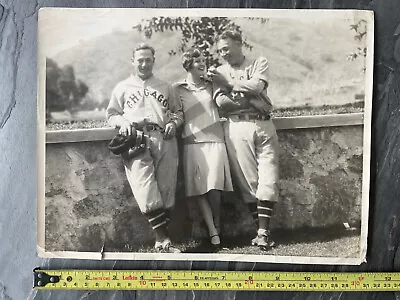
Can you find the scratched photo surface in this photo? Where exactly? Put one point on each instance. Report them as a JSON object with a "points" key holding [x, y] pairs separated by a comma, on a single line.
{"points": [[319, 83]]}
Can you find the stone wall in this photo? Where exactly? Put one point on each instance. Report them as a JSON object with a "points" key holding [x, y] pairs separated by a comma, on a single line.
{"points": [[89, 203]]}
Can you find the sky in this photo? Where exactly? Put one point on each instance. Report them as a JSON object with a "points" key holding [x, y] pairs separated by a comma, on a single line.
{"points": [[61, 28]]}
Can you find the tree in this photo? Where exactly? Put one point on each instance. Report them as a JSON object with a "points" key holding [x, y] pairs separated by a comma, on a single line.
{"points": [[81, 88], [63, 91], [197, 32], [53, 73], [360, 29]]}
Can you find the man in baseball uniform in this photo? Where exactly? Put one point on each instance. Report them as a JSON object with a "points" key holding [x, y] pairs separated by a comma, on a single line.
{"points": [[143, 103], [240, 90]]}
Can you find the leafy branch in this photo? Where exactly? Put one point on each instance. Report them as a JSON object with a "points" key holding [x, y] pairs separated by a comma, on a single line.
{"points": [[196, 32], [360, 29]]}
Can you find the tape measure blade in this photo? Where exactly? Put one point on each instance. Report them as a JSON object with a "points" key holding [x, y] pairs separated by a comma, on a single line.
{"points": [[217, 280]]}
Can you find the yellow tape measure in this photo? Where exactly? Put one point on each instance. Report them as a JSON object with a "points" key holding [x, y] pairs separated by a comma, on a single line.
{"points": [[213, 280]]}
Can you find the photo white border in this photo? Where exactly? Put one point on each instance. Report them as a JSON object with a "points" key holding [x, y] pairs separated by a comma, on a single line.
{"points": [[366, 176], [212, 12]]}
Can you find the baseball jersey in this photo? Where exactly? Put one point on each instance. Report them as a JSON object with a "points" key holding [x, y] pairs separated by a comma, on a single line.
{"points": [[144, 101], [245, 79], [202, 121]]}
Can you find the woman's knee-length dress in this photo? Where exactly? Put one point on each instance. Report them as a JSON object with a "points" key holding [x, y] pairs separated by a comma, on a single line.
{"points": [[205, 159]]}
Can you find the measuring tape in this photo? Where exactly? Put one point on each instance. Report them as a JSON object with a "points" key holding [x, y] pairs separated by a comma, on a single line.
{"points": [[213, 280]]}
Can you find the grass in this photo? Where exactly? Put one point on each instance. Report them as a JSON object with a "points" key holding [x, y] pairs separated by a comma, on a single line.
{"points": [[69, 125], [99, 122], [356, 107], [327, 242]]}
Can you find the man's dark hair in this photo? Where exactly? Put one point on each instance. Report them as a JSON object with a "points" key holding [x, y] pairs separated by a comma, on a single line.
{"points": [[232, 34], [144, 46]]}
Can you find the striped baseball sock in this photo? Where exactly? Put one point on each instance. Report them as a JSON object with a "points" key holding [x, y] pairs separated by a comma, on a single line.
{"points": [[265, 210], [157, 218], [253, 211]]}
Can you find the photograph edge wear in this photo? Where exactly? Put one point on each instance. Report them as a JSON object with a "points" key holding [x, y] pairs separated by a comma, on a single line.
{"points": [[189, 136]]}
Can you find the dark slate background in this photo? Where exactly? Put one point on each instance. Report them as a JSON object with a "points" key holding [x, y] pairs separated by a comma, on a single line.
{"points": [[18, 30]]}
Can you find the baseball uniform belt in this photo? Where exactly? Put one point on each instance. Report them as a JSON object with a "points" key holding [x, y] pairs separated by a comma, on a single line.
{"points": [[251, 117]]}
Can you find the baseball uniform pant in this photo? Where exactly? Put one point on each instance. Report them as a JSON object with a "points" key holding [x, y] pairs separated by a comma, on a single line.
{"points": [[253, 154], [152, 175]]}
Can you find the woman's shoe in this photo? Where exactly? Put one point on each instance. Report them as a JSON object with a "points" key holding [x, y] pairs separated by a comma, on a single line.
{"points": [[215, 240]]}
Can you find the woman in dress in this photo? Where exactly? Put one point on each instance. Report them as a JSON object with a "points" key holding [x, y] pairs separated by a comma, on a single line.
{"points": [[205, 160]]}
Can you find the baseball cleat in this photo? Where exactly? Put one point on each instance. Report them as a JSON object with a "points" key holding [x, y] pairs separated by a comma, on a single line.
{"points": [[166, 247], [264, 241]]}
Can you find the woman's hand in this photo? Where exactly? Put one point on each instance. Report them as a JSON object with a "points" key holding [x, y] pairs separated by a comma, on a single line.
{"points": [[218, 78]]}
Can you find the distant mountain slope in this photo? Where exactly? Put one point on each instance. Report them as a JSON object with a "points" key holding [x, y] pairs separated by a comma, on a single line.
{"points": [[308, 63]]}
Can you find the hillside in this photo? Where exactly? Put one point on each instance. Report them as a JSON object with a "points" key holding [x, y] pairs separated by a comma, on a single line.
{"points": [[308, 65]]}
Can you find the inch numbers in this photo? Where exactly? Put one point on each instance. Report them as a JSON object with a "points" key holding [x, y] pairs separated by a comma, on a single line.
{"points": [[218, 280]]}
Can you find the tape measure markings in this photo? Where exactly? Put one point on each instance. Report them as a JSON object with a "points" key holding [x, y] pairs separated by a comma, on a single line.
{"points": [[214, 280]]}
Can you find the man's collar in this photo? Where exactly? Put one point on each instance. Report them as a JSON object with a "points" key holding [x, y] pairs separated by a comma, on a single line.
{"points": [[137, 78]]}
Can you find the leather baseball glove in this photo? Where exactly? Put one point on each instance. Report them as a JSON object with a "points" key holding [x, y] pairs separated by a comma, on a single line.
{"points": [[128, 146]]}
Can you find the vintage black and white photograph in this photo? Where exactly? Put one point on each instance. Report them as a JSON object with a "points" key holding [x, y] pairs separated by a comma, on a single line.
{"points": [[204, 134]]}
